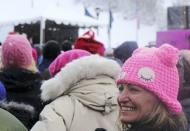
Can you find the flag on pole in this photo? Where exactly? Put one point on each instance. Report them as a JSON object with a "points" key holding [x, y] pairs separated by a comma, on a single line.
{"points": [[110, 19], [138, 23], [109, 28], [87, 13]]}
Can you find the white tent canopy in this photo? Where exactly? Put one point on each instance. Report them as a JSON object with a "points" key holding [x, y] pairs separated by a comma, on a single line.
{"points": [[14, 12], [26, 11]]}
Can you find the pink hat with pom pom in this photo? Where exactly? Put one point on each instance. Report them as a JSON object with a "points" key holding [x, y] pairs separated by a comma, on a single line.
{"points": [[154, 69], [16, 51], [65, 58]]}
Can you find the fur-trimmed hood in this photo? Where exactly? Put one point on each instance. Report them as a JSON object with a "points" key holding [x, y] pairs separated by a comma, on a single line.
{"points": [[84, 68], [17, 106]]}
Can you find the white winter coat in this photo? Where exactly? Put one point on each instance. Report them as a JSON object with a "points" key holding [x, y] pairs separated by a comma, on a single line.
{"points": [[84, 97]]}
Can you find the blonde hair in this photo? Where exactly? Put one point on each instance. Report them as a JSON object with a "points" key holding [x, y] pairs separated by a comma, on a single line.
{"points": [[161, 117], [32, 67]]}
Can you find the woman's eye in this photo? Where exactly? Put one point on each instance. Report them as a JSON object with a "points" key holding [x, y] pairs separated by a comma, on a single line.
{"points": [[130, 88], [120, 87]]}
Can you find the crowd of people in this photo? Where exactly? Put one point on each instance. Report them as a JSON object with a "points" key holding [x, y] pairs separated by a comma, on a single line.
{"points": [[80, 86]]}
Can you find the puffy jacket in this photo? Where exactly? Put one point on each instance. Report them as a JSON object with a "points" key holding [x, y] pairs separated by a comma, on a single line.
{"points": [[83, 95]]}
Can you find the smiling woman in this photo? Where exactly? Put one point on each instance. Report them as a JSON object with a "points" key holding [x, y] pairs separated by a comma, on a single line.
{"points": [[148, 85], [132, 106]]}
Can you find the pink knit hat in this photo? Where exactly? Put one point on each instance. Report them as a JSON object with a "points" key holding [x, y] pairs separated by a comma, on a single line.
{"points": [[65, 58], [154, 69], [16, 52]]}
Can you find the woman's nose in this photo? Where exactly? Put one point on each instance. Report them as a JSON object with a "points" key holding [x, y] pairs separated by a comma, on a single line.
{"points": [[123, 96]]}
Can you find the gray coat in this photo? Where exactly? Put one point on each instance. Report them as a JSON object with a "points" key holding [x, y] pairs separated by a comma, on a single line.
{"points": [[8, 122]]}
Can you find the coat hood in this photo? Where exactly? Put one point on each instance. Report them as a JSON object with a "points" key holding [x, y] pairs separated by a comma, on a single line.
{"points": [[99, 93], [84, 68]]}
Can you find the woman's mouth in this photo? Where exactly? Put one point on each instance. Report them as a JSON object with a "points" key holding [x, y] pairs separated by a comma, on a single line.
{"points": [[127, 108]]}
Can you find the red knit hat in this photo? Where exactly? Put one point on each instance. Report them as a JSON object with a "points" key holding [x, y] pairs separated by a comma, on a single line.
{"points": [[16, 52], [87, 42]]}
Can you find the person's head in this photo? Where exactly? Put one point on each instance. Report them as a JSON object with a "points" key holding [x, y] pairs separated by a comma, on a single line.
{"points": [[150, 83], [66, 45], [135, 102], [17, 53], [51, 50], [125, 50], [64, 58]]}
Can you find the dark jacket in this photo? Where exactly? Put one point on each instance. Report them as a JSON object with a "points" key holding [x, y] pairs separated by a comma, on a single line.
{"points": [[152, 129], [45, 64], [23, 94], [149, 127], [43, 68]]}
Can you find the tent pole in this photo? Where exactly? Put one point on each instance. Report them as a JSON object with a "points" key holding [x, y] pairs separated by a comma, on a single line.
{"points": [[42, 27], [109, 37]]}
